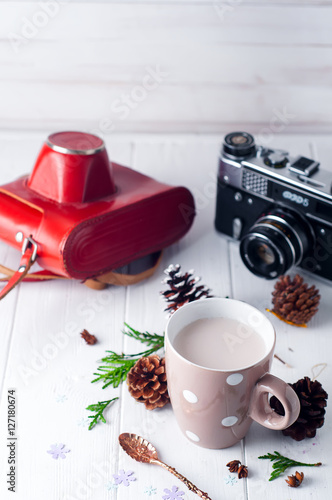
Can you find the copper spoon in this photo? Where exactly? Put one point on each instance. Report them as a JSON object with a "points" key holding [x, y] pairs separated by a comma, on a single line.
{"points": [[141, 450]]}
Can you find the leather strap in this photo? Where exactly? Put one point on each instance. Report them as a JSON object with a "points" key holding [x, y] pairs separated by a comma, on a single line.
{"points": [[120, 279], [37, 276], [29, 254]]}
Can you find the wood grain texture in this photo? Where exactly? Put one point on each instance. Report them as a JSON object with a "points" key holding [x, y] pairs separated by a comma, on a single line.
{"points": [[7, 314], [220, 64], [50, 366]]}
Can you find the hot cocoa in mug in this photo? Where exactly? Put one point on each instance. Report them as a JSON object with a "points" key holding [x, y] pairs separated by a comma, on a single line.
{"points": [[218, 358]]}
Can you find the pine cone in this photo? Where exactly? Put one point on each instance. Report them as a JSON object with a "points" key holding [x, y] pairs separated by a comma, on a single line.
{"points": [[147, 382], [88, 337], [313, 401], [242, 472], [295, 481], [233, 466], [293, 301], [182, 288]]}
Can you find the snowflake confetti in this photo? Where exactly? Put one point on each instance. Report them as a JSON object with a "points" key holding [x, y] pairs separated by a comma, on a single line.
{"points": [[230, 480], [58, 450], [111, 486], [60, 398], [124, 477], [83, 422], [173, 494], [149, 490]]}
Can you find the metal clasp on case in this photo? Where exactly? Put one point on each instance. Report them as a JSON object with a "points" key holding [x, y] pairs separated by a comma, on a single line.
{"points": [[26, 244]]}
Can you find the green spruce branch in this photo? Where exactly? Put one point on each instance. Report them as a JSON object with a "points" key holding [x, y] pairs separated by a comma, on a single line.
{"points": [[282, 463], [115, 367], [99, 409]]}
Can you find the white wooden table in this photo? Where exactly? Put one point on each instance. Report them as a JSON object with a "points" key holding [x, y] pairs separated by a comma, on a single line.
{"points": [[44, 359]]}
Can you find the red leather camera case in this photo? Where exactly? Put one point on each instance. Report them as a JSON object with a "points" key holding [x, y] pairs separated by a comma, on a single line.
{"points": [[84, 239]]}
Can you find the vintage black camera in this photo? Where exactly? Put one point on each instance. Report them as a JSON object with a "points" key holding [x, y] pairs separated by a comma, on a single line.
{"points": [[278, 206]]}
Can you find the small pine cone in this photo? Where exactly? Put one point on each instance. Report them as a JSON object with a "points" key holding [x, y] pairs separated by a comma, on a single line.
{"points": [[294, 301], [233, 466], [313, 402], [88, 337], [182, 288], [147, 382], [242, 472], [295, 480]]}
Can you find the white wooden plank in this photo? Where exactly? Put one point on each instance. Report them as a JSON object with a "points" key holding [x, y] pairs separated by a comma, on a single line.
{"points": [[175, 23], [223, 70], [49, 360], [51, 368], [172, 159], [308, 347], [181, 108], [199, 62], [52, 312], [145, 311], [7, 316]]}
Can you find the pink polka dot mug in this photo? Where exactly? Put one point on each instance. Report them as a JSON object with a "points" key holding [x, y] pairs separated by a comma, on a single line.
{"points": [[218, 374]]}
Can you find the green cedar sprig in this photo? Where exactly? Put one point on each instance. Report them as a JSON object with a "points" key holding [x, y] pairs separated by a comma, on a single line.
{"points": [[115, 367], [150, 339], [282, 463], [98, 408]]}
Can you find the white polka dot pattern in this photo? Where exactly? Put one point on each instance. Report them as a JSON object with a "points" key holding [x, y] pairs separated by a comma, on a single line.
{"points": [[192, 436], [234, 379], [229, 421], [190, 396]]}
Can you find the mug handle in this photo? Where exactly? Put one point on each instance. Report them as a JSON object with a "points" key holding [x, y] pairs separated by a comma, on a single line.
{"points": [[260, 409]]}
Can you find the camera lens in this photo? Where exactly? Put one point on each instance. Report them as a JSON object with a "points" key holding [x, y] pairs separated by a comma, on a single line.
{"points": [[279, 239], [239, 144], [265, 254]]}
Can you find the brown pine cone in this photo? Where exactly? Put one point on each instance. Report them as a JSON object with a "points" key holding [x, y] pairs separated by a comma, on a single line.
{"points": [[183, 288], [313, 401], [295, 480], [234, 465], [147, 382], [88, 337], [242, 472], [293, 301]]}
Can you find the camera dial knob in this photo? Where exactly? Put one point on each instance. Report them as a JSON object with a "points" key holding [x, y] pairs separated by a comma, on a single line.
{"points": [[239, 144], [276, 160]]}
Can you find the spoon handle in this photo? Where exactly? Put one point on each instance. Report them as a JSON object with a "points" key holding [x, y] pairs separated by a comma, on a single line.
{"points": [[186, 481]]}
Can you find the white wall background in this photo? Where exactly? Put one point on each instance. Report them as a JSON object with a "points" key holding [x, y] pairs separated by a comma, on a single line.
{"points": [[261, 65]]}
